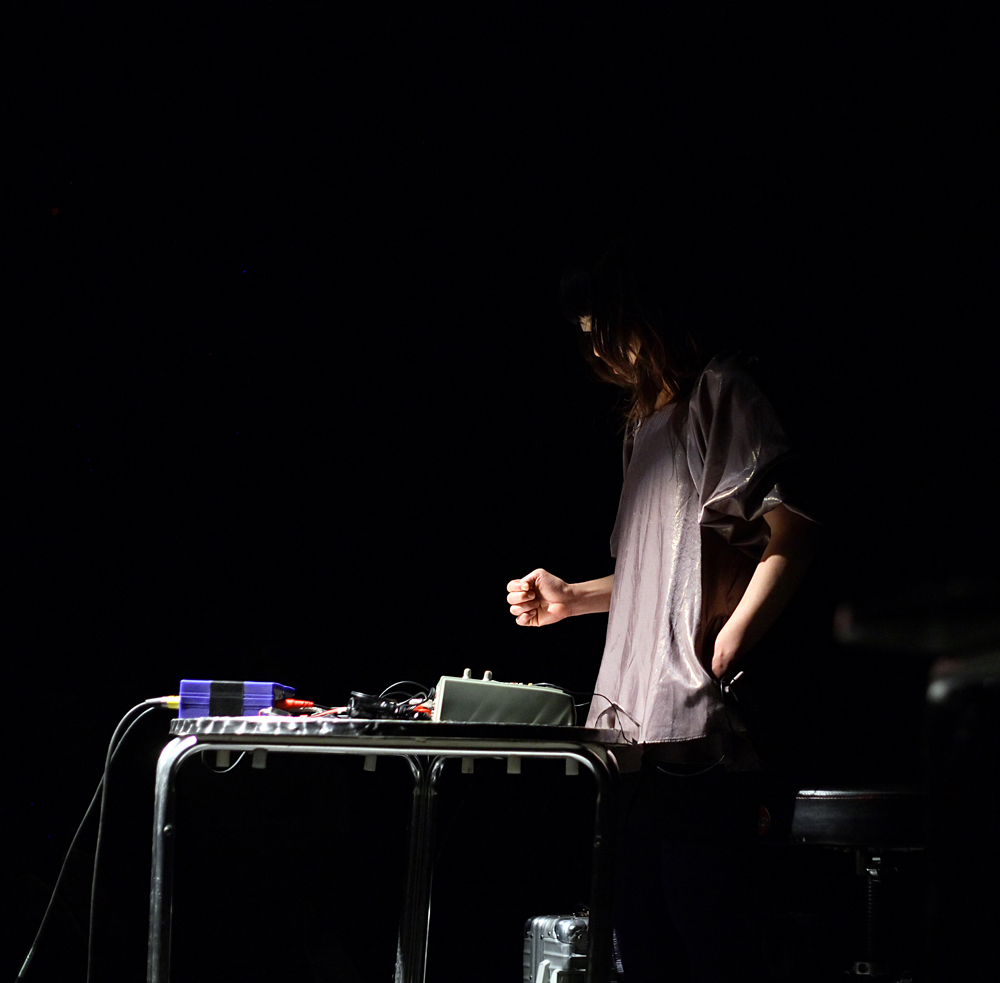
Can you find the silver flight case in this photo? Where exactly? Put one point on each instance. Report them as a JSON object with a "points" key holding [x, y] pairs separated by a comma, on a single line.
{"points": [[555, 949]]}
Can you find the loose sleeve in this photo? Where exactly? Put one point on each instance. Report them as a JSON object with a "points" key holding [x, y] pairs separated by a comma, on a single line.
{"points": [[737, 452]]}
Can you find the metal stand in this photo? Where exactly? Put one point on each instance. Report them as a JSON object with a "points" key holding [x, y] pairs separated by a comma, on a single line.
{"points": [[875, 823], [426, 747], [872, 962]]}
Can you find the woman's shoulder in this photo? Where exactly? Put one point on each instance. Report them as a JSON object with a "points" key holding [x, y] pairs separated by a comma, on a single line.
{"points": [[725, 373], [731, 364]]}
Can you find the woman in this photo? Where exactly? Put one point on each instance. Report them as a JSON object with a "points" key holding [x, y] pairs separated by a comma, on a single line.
{"points": [[708, 552]]}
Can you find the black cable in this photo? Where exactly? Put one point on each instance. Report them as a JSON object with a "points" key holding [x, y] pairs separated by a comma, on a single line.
{"points": [[725, 690], [693, 774], [113, 746], [55, 890], [614, 706]]}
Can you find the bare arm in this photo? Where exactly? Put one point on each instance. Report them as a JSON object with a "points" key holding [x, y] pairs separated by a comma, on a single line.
{"points": [[779, 573], [593, 596], [543, 599]]}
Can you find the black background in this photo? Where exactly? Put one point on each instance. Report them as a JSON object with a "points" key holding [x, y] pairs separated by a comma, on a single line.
{"points": [[289, 396]]}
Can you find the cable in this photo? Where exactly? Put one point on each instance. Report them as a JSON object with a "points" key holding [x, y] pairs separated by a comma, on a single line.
{"points": [[220, 771], [169, 702], [618, 709], [693, 774], [424, 689], [724, 691], [55, 890], [112, 748]]}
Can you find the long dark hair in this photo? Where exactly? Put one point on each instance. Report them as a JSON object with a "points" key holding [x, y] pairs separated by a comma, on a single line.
{"points": [[617, 285]]}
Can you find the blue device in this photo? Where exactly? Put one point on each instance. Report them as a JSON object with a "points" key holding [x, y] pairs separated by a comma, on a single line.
{"points": [[229, 698]]}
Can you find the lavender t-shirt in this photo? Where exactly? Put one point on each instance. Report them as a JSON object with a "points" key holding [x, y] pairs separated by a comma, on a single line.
{"points": [[699, 476]]}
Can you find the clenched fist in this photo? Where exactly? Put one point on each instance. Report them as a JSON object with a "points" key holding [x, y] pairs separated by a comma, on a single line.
{"points": [[539, 599]]}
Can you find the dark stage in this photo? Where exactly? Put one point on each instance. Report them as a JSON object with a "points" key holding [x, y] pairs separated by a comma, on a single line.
{"points": [[289, 397]]}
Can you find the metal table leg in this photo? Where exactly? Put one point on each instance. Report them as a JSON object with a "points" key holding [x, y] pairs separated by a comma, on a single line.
{"points": [[599, 951], [420, 873], [161, 882]]}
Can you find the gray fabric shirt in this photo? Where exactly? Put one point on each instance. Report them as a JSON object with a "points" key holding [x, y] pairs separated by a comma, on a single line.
{"points": [[699, 476]]}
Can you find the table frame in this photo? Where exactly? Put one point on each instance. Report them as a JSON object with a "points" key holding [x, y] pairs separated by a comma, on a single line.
{"points": [[426, 747]]}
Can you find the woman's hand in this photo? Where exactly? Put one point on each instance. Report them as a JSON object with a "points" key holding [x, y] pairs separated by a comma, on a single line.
{"points": [[781, 568], [539, 599], [543, 599], [728, 646]]}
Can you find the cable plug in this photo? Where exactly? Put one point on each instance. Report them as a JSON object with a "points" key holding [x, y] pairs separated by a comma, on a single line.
{"points": [[168, 702]]}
